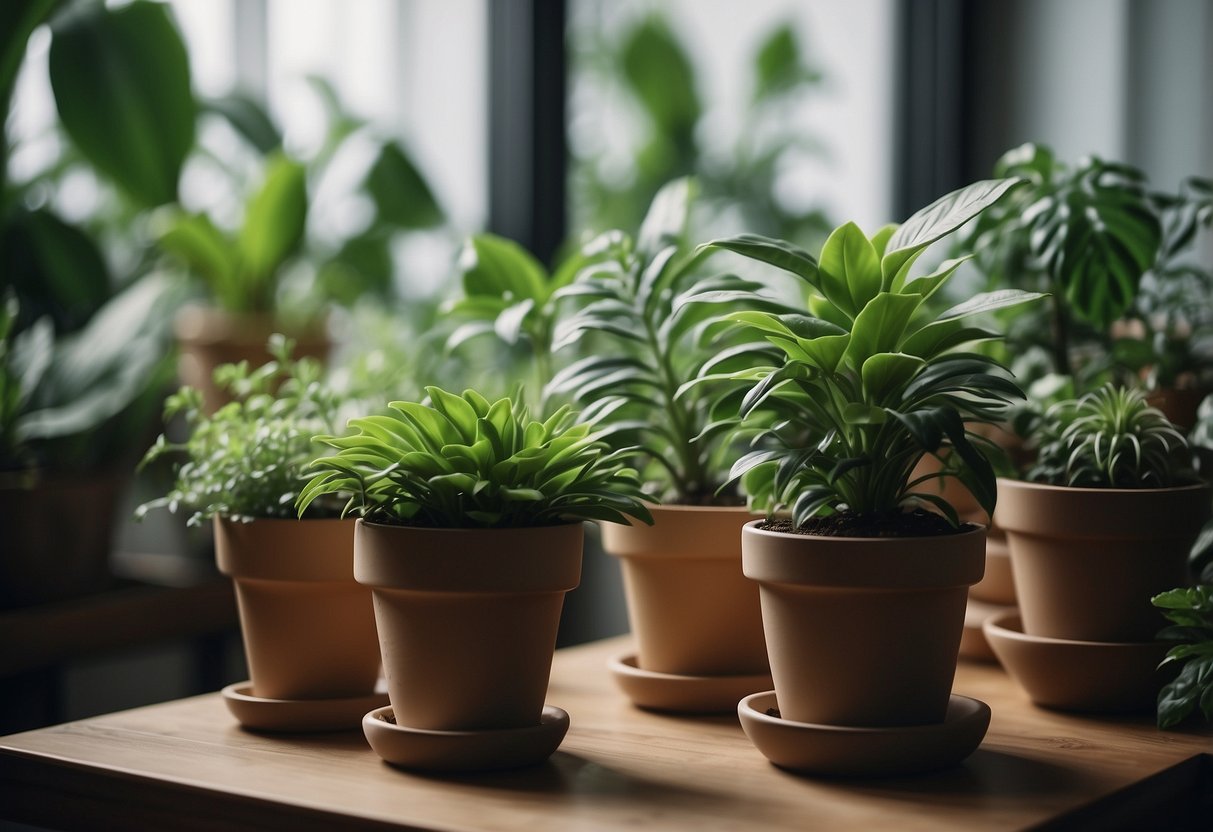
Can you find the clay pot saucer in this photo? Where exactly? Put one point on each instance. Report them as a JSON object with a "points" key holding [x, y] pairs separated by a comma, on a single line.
{"points": [[842, 751], [299, 715], [973, 643], [453, 751], [678, 693], [1091, 676]]}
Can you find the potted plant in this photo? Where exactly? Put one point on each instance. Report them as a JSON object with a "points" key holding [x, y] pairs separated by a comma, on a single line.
{"points": [[74, 407], [1112, 495], [863, 592], [1190, 611], [469, 536], [647, 311], [308, 627]]}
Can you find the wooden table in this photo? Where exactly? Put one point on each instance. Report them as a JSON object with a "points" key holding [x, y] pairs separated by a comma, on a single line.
{"points": [[186, 765]]}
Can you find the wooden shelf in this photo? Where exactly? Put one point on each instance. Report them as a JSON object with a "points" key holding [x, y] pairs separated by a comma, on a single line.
{"points": [[187, 765]]}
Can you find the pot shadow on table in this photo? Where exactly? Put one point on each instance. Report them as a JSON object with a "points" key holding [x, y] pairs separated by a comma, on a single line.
{"points": [[986, 776]]}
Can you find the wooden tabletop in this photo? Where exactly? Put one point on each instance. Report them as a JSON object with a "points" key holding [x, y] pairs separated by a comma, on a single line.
{"points": [[187, 765]]}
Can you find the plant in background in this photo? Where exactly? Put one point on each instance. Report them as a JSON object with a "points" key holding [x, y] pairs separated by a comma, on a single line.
{"points": [[873, 378], [1086, 234], [1191, 614], [75, 402], [648, 314], [1110, 438], [642, 73], [1174, 307], [509, 294], [462, 461], [247, 460]]}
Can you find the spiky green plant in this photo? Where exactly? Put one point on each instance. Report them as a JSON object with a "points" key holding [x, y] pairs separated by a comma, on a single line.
{"points": [[462, 461], [1110, 438]]}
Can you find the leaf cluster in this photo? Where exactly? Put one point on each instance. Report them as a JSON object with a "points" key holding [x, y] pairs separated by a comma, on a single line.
{"points": [[1191, 613], [1110, 438], [246, 461], [73, 402], [872, 378], [462, 461], [651, 317]]}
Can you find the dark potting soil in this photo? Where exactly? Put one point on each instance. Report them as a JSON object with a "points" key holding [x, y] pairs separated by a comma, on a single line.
{"points": [[916, 523]]}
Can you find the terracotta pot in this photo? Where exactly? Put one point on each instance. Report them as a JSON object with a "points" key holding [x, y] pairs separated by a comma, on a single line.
{"points": [[57, 535], [467, 618], [863, 631], [1087, 560], [691, 610], [208, 337], [1178, 404], [997, 586], [308, 627]]}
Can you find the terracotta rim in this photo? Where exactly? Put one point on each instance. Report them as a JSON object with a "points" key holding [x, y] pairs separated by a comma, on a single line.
{"points": [[960, 709], [522, 560], [680, 532], [550, 717], [867, 563], [276, 549], [1060, 511], [1009, 625]]}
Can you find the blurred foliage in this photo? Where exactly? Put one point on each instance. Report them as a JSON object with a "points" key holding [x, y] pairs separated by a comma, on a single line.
{"points": [[645, 70], [1127, 301]]}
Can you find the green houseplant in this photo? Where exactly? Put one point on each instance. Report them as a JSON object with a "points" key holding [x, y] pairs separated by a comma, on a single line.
{"points": [[308, 628], [866, 385], [469, 536], [1190, 611], [72, 409], [645, 314], [1112, 494]]}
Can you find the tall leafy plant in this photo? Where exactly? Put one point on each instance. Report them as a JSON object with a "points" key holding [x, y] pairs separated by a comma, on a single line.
{"points": [[647, 312], [873, 378]]}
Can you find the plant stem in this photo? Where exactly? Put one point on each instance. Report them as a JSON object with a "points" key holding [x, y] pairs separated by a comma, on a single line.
{"points": [[1061, 333]]}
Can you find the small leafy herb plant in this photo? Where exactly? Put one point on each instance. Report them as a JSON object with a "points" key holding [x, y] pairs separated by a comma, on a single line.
{"points": [[247, 460], [1191, 613], [1110, 438], [872, 379], [462, 461]]}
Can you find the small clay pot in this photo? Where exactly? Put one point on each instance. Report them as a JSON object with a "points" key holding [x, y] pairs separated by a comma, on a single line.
{"points": [[691, 610], [1087, 560], [308, 627], [208, 337], [467, 619], [1179, 405], [997, 586], [863, 631]]}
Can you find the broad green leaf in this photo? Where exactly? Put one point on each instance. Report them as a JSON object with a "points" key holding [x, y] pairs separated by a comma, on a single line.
{"points": [[247, 117], [401, 195], [928, 284], [54, 269], [203, 249], [885, 374], [496, 267], [849, 270], [456, 409], [657, 69], [666, 221], [989, 302], [879, 327], [122, 87], [274, 222], [778, 64], [941, 217], [777, 253], [938, 336]]}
